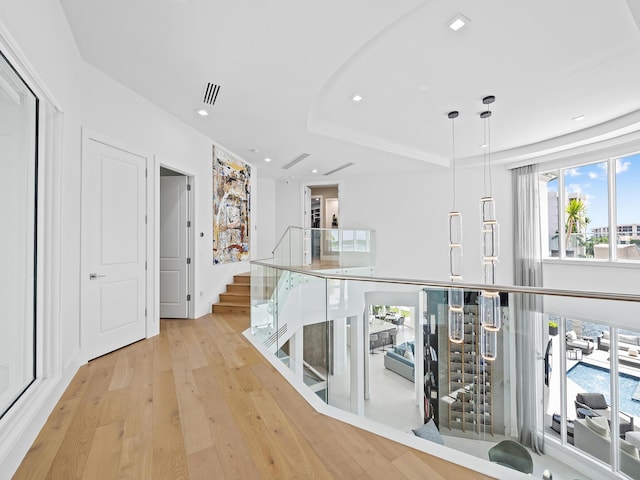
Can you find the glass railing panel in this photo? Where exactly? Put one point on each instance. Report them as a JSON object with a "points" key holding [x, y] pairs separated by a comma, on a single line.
{"points": [[263, 307], [361, 339], [302, 320], [282, 252], [369, 322], [628, 400], [326, 249], [464, 383]]}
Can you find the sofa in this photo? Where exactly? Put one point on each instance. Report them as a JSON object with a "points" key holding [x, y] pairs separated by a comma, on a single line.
{"points": [[625, 342], [401, 360], [592, 436], [595, 405], [623, 251]]}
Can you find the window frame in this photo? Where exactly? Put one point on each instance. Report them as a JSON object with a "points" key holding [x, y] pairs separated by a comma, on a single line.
{"points": [[612, 224]]}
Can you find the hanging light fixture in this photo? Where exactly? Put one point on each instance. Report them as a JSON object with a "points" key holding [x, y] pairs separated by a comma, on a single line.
{"points": [[455, 295], [490, 318]]}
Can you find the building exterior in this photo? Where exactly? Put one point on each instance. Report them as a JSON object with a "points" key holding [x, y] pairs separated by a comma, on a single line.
{"points": [[626, 232]]}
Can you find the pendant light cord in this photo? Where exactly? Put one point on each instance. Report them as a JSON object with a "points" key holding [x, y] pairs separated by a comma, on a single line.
{"points": [[453, 161], [489, 154]]}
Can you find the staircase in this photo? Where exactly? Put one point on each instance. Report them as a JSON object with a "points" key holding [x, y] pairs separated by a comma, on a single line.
{"points": [[237, 298]]}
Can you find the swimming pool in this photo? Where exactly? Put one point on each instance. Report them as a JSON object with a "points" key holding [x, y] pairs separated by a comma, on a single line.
{"points": [[596, 379]]}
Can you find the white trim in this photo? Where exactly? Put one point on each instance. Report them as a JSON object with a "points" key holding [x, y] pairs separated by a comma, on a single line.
{"points": [[21, 424], [319, 184], [191, 240], [598, 151], [19, 61], [29, 415]]}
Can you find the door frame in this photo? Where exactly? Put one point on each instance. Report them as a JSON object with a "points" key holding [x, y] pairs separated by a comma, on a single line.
{"points": [[152, 287], [320, 184], [191, 237]]}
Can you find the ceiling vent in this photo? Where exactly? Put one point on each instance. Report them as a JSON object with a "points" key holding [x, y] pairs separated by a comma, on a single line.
{"points": [[346, 165], [296, 160], [210, 94]]}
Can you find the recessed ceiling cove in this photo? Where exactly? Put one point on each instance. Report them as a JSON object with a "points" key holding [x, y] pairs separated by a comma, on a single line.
{"points": [[546, 63]]}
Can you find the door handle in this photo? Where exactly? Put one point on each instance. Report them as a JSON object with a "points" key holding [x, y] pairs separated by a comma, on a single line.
{"points": [[93, 276]]}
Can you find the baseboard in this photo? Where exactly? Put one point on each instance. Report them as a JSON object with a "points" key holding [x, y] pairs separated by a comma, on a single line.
{"points": [[22, 424]]}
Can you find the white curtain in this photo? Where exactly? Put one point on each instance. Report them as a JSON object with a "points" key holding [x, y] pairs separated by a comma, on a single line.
{"points": [[527, 309]]}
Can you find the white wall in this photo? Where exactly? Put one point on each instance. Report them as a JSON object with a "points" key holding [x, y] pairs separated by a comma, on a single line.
{"points": [[39, 32], [265, 233], [44, 44], [609, 277], [120, 114], [409, 214]]}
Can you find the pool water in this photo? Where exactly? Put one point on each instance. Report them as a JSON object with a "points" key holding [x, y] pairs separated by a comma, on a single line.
{"points": [[596, 380]]}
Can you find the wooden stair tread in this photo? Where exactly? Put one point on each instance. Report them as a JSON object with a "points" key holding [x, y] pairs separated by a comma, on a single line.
{"points": [[237, 297], [231, 304]]}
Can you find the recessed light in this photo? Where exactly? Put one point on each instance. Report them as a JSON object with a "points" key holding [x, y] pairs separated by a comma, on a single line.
{"points": [[578, 118], [314, 170], [267, 159], [356, 98], [457, 22], [483, 145], [203, 112]]}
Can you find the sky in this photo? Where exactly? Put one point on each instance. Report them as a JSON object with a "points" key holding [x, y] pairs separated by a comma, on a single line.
{"points": [[591, 181]]}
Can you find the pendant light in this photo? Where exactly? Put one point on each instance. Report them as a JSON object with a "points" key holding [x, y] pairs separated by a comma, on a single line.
{"points": [[490, 318], [455, 295]]}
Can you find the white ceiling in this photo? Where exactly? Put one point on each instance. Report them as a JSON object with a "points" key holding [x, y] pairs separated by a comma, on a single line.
{"points": [[288, 69]]}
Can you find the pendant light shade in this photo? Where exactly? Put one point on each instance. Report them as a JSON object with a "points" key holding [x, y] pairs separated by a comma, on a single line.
{"points": [[456, 315], [456, 295], [489, 303], [490, 318], [455, 246], [488, 344]]}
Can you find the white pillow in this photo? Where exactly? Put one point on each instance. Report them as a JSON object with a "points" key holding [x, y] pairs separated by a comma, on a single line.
{"points": [[408, 355], [629, 448], [571, 335], [600, 425]]}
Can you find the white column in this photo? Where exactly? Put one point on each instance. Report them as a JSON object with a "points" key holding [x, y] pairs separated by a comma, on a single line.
{"points": [[359, 363], [339, 345]]}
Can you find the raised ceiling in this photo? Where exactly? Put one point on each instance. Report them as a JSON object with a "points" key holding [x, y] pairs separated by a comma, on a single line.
{"points": [[288, 70]]}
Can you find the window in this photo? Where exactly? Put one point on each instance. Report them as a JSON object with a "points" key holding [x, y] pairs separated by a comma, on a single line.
{"points": [[18, 182], [578, 198]]}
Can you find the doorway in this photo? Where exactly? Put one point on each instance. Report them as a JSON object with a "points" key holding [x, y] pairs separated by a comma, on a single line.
{"points": [[321, 211], [175, 244]]}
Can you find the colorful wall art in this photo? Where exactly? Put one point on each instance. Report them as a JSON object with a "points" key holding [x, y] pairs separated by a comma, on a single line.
{"points": [[231, 208]]}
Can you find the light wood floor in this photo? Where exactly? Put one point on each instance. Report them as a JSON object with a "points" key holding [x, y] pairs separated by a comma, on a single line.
{"points": [[199, 402]]}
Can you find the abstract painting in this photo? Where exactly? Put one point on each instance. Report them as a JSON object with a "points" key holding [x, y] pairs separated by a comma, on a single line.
{"points": [[231, 208]]}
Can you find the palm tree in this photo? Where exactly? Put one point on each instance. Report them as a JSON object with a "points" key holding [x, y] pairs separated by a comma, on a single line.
{"points": [[576, 218]]}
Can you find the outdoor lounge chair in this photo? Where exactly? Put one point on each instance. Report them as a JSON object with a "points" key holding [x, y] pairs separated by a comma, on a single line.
{"points": [[583, 344], [595, 405]]}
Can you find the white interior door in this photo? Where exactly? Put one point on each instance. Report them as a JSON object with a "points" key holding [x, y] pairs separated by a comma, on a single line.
{"points": [[113, 248], [174, 235], [307, 226]]}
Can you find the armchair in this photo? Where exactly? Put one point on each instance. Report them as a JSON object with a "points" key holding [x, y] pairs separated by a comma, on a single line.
{"points": [[595, 405], [583, 344]]}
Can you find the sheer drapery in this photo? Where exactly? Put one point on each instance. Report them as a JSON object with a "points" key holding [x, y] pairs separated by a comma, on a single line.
{"points": [[529, 329]]}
